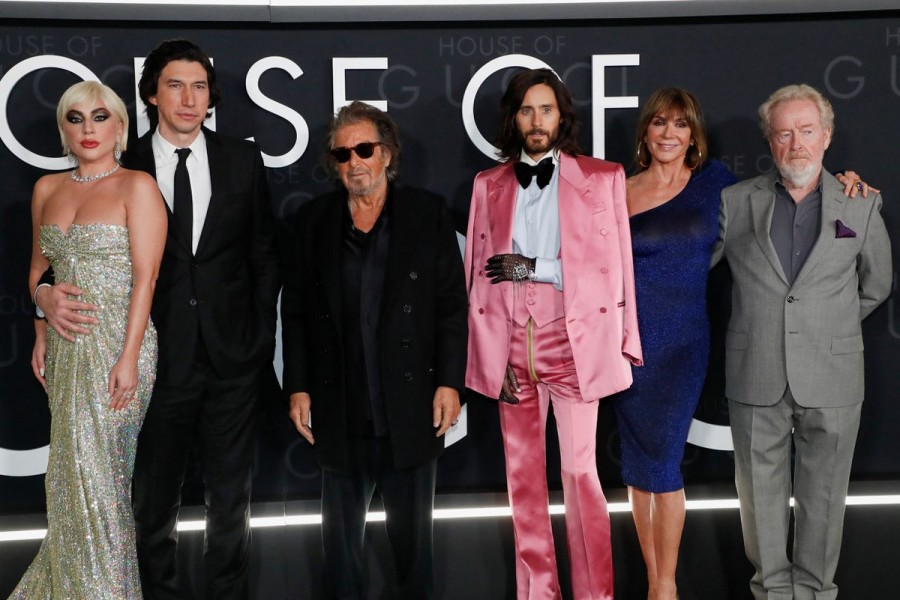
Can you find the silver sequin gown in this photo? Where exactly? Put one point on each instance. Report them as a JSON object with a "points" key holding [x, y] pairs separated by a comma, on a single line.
{"points": [[89, 552]]}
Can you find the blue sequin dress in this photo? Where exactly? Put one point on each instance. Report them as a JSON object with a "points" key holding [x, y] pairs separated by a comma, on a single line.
{"points": [[672, 243]]}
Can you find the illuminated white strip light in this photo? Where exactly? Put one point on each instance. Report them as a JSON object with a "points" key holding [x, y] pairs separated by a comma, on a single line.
{"points": [[339, 3], [211, 3], [370, 3], [458, 513]]}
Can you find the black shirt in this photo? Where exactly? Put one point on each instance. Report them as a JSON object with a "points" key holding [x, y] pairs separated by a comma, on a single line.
{"points": [[363, 265]]}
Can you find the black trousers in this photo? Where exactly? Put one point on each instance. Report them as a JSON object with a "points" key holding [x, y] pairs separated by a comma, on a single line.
{"points": [[408, 496], [215, 417]]}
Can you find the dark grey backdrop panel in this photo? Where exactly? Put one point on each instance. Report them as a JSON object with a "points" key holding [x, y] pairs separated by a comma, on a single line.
{"points": [[732, 65]]}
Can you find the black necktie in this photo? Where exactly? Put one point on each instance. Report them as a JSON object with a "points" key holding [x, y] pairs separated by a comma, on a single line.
{"points": [[183, 201], [543, 170]]}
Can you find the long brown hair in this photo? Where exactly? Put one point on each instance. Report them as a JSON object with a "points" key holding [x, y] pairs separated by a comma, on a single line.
{"points": [[509, 140]]}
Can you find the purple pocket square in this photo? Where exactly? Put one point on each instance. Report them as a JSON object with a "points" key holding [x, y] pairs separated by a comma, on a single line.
{"points": [[842, 231]]}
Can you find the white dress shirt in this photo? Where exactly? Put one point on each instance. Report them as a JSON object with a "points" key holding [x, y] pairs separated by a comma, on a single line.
{"points": [[536, 224], [198, 169]]}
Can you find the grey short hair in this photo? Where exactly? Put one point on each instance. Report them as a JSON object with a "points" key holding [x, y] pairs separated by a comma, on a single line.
{"points": [[360, 112], [800, 91], [91, 91]]}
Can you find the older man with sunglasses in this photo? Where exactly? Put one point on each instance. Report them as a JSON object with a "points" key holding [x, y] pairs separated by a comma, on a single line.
{"points": [[375, 333]]}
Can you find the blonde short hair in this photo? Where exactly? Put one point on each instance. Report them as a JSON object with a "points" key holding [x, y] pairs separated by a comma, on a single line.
{"points": [[90, 92], [796, 92]]}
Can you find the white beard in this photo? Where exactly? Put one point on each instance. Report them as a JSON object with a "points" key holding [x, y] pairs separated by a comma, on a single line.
{"points": [[798, 176]]}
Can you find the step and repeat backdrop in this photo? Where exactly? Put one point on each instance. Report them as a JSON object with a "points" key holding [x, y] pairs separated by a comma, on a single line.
{"points": [[442, 83]]}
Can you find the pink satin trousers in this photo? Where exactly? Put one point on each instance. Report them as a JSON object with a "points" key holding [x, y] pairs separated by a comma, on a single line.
{"points": [[542, 360]]}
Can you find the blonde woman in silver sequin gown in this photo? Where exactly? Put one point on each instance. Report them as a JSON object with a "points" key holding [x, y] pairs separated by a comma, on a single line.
{"points": [[102, 228]]}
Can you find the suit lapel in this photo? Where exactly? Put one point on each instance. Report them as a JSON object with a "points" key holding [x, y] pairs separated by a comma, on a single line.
{"points": [[762, 207], [501, 203], [576, 207], [404, 231], [328, 245], [140, 158], [832, 209], [219, 179]]}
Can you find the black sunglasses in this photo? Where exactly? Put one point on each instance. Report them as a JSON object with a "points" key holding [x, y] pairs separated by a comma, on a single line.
{"points": [[363, 150]]}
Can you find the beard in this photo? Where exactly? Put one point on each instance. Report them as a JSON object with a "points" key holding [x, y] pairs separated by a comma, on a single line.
{"points": [[532, 147], [798, 175], [365, 186]]}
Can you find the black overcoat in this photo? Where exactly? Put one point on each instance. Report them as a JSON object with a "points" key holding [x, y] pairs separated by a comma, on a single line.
{"points": [[422, 331]]}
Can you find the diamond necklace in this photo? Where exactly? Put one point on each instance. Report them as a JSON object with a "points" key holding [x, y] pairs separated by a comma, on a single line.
{"points": [[89, 178]]}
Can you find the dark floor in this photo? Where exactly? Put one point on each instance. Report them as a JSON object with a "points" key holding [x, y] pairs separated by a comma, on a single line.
{"points": [[474, 557]]}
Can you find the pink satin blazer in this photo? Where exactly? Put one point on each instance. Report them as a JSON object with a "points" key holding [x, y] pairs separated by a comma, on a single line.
{"points": [[598, 276]]}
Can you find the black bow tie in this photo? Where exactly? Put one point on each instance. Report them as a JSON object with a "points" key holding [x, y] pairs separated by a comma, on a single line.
{"points": [[543, 171]]}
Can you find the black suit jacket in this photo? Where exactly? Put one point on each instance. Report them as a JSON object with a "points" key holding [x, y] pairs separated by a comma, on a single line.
{"points": [[422, 331], [228, 291]]}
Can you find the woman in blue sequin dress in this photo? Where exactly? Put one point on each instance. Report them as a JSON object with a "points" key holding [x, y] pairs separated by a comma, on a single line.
{"points": [[673, 202], [102, 228]]}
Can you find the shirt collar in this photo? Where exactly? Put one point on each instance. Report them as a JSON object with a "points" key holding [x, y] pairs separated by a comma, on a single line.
{"points": [[779, 181], [554, 154], [164, 150]]}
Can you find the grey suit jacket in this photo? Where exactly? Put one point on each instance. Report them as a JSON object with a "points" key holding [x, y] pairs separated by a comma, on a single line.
{"points": [[807, 334]]}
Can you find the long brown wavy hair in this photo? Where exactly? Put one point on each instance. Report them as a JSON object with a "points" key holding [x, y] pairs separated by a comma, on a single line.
{"points": [[509, 140]]}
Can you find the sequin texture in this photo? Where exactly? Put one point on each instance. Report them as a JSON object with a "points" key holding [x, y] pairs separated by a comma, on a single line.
{"points": [[673, 244], [89, 551]]}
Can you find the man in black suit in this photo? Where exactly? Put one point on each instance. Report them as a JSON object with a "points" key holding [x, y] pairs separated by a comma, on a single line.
{"points": [[214, 308], [375, 333]]}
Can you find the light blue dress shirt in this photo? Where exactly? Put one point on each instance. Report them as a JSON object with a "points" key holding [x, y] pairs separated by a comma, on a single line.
{"points": [[536, 224]]}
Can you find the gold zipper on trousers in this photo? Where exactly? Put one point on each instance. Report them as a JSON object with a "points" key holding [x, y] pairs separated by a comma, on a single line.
{"points": [[529, 330]]}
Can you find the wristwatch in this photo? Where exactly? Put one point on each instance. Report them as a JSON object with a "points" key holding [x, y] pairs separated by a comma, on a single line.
{"points": [[521, 271]]}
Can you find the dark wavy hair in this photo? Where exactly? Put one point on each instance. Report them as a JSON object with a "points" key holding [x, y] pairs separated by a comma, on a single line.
{"points": [[162, 55], [663, 102], [509, 140], [360, 112]]}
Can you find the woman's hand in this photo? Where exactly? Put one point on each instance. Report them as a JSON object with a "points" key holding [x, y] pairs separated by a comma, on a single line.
{"points": [[39, 355], [123, 379], [853, 183]]}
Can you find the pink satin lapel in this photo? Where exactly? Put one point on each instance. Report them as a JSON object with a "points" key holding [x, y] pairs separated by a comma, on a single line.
{"points": [[501, 208]]}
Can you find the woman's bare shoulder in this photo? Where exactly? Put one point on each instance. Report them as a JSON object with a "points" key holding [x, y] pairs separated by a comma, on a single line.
{"points": [[47, 185]]}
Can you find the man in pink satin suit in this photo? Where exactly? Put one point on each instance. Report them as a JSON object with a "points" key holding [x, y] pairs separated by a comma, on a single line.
{"points": [[551, 319]]}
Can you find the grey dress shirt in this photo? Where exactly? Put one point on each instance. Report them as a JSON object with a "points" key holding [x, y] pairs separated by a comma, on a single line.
{"points": [[795, 228]]}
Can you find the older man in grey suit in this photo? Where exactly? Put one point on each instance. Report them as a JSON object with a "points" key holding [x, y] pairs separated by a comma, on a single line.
{"points": [[808, 265]]}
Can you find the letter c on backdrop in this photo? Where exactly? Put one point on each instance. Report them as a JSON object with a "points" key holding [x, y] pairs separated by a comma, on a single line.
{"points": [[9, 81], [468, 102]]}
